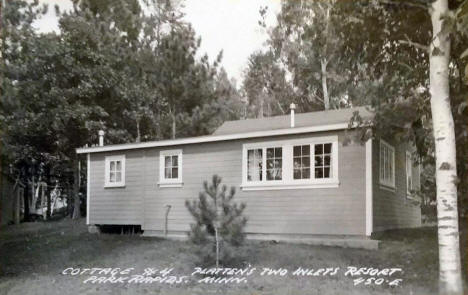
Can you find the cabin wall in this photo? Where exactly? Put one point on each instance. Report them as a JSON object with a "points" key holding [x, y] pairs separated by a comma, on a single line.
{"points": [[393, 208], [119, 205], [321, 211]]}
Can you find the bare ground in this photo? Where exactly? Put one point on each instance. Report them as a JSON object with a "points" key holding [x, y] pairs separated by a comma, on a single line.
{"points": [[34, 255]]}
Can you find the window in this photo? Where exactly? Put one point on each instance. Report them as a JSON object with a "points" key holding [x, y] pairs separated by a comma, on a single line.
{"points": [[309, 162], [323, 160], [115, 171], [274, 162], [387, 164], [409, 173], [255, 163], [301, 158], [170, 168]]}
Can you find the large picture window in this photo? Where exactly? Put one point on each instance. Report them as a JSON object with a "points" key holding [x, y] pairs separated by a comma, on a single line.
{"points": [[170, 168], [311, 162], [387, 164], [115, 171]]}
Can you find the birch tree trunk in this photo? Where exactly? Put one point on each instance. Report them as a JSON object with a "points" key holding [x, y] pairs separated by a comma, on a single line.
{"points": [[138, 137], [326, 98], [450, 281]]}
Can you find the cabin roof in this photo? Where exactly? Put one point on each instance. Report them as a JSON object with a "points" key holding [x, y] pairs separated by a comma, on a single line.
{"points": [[329, 117], [252, 128]]}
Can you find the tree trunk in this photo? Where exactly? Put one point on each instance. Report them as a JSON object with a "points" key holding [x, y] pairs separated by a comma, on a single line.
{"points": [[26, 215], [138, 137], [326, 98], [446, 174], [76, 190], [262, 103], [173, 117]]}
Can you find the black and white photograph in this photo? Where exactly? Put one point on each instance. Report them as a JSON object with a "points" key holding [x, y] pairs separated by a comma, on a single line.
{"points": [[238, 147]]}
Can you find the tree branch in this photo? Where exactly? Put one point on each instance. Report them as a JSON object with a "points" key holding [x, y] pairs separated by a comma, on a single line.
{"points": [[406, 3], [414, 44]]}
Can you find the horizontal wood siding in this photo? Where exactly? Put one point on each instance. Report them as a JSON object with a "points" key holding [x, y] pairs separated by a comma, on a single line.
{"points": [[393, 209], [119, 205], [328, 211]]}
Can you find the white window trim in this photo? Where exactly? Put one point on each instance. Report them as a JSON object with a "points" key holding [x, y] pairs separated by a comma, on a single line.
{"points": [[170, 182], [385, 184], [288, 182], [107, 182]]}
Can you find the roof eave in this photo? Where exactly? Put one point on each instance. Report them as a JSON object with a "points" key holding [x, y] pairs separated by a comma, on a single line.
{"points": [[212, 138]]}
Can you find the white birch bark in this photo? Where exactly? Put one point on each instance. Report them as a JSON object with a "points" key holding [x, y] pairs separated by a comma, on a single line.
{"points": [[326, 98], [450, 281]]}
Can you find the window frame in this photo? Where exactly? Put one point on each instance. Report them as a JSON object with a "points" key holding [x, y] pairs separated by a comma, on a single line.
{"points": [[288, 181], [108, 160], [170, 182], [382, 180]]}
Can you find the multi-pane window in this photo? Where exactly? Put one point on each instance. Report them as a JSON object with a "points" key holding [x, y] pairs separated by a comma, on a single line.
{"points": [[115, 171], [301, 162], [254, 164], [291, 163], [387, 164], [322, 163], [409, 173], [274, 163], [171, 167]]}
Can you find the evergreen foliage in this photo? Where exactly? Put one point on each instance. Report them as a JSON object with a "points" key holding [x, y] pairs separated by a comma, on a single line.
{"points": [[215, 209]]}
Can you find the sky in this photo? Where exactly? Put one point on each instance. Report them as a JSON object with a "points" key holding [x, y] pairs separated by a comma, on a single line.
{"points": [[228, 25]]}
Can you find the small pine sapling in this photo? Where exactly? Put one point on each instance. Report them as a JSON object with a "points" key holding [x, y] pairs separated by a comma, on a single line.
{"points": [[218, 230]]}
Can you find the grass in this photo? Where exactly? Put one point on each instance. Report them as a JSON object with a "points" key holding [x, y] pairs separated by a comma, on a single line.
{"points": [[33, 256]]}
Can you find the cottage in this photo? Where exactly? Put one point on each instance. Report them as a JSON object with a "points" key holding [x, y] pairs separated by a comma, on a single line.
{"points": [[302, 176]]}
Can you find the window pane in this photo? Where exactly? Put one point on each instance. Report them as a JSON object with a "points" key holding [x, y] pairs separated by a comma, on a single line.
{"points": [[112, 177], [318, 161], [278, 152], [327, 160], [326, 172], [306, 162], [297, 174], [306, 150], [174, 161], [278, 163], [118, 165], [318, 172], [167, 173], [297, 163], [112, 166], [118, 176], [167, 161], [270, 153], [297, 151], [319, 149], [270, 174], [175, 172], [270, 164], [327, 148], [306, 173]]}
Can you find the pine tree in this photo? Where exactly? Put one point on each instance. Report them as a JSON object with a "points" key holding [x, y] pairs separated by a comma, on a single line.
{"points": [[218, 230]]}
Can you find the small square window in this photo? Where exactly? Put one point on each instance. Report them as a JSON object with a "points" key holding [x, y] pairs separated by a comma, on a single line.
{"points": [[114, 171], [170, 170]]}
